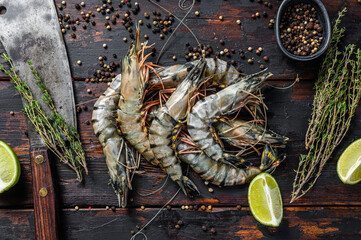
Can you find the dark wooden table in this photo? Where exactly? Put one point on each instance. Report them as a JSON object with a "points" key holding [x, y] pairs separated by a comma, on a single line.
{"points": [[330, 210]]}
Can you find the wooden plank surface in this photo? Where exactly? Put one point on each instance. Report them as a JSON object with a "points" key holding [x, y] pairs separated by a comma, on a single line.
{"points": [[229, 223], [288, 114], [330, 210], [88, 44]]}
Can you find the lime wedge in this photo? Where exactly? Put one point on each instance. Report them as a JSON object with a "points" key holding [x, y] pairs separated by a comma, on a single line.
{"points": [[349, 164], [9, 167], [265, 201]]}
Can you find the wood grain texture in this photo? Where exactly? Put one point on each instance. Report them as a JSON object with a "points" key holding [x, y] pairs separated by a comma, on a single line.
{"points": [[44, 195], [229, 223], [331, 210], [288, 114], [88, 44]]}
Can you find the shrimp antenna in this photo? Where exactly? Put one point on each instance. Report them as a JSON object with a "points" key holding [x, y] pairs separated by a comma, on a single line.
{"points": [[181, 5]]}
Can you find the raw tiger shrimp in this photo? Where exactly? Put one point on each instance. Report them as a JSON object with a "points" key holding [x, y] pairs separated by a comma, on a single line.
{"points": [[208, 109], [135, 73], [222, 73], [222, 174], [240, 133], [117, 153], [163, 130]]}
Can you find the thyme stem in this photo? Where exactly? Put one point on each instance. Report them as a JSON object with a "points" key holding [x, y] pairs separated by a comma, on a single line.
{"points": [[63, 141], [338, 92]]}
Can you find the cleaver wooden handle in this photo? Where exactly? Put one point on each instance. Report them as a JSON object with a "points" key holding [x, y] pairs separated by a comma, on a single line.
{"points": [[45, 207]]}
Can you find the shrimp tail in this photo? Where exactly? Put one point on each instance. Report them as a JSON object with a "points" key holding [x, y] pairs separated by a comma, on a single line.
{"points": [[122, 192], [188, 187], [270, 160]]}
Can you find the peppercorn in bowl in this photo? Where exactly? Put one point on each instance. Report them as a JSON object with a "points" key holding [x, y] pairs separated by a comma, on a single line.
{"points": [[303, 29]]}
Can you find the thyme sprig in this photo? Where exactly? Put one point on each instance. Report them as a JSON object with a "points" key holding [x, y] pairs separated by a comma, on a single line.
{"points": [[338, 92], [63, 141]]}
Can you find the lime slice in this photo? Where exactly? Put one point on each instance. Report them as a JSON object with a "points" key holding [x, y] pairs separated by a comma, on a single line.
{"points": [[9, 167], [349, 164], [265, 201]]}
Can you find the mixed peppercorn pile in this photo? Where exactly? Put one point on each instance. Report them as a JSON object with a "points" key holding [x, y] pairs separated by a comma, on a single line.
{"points": [[301, 30]]}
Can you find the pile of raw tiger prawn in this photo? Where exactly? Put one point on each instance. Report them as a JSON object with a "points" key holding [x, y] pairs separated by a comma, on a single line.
{"points": [[189, 113]]}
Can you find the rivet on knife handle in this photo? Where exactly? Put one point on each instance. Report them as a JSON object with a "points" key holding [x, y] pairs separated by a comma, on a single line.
{"points": [[39, 159], [43, 192]]}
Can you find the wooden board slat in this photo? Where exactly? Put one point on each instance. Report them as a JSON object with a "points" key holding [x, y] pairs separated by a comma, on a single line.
{"points": [[88, 45], [229, 223], [288, 114], [17, 224]]}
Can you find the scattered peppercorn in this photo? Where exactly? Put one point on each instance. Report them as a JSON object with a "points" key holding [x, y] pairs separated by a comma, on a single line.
{"points": [[261, 66], [210, 190], [239, 207], [113, 208], [204, 228], [238, 22], [142, 207], [89, 91], [76, 208], [132, 232], [266, 58], [213, 230], [79, 62], [196, 13], [12, 113], [177, 226], [250, 49], [220, 18], [169, 207], [250, 61]]}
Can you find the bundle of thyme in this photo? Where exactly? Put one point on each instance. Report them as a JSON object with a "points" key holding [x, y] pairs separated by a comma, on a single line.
{"points": [[338, 91], [63, 141]]}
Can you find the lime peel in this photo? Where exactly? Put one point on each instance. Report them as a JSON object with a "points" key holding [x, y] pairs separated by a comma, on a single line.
{"points": [[349, 164], [271, 197], [9, 167]]}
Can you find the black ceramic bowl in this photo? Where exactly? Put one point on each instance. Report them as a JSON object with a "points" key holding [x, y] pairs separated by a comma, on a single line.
{"points": [[324, 21]]}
